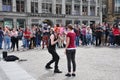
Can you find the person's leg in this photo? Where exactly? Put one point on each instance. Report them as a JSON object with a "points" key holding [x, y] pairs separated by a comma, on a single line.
{"points": [[47, 41], [17, 43], [51, 61], [68, 54], [28, 44], [56, 58], [43, 42], [99, 40], [96, 40], [8, 42], [0, 43], [5, 43], [73, 59], [13, 43]]}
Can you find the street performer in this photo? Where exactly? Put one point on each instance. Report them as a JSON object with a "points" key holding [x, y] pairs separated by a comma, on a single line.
{"points": [[52, 50]]}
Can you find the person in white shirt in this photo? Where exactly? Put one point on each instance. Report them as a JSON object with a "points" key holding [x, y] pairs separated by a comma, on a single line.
{"points": [[14, 39], [88, 35]]}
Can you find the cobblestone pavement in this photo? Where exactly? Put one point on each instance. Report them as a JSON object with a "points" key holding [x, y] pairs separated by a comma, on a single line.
{"points": [[100, 63]]}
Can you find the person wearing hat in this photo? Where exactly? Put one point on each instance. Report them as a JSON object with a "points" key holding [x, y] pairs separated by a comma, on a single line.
{"points": [[52, 50]]}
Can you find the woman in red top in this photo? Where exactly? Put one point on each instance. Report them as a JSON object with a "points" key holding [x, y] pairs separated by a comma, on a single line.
{"points": [[116, 33], [70, 50], [27, 35]]}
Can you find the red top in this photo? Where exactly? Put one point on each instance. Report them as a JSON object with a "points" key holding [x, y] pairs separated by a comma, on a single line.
{"points": [[72, 37], [116, 31], [27, 34]]}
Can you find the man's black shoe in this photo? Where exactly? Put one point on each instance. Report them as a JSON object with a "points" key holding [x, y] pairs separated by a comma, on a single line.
{"points": [[73, 74], [48, 67], [68, 75], [57, 71]]}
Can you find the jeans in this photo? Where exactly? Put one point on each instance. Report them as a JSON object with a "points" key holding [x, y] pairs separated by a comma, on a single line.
{"points": [[111, 39], [23, 42], [71, 59], [83, 39], [88, 39], [7, 41], [1, 39], [77, 40], [26, 43], [38, 42], [93, 39]]}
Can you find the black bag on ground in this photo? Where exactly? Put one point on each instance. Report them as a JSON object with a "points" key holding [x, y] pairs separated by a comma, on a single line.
{"points": [[11, 58], [4, 53]]}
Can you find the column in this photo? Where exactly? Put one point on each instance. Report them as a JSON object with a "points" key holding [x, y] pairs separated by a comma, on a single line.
{"points": [[54, 7], [28, 21], [28, 6], [14, 23], [88, 22], [100, 11], [1, 5], [81, 7], [14, 5], [96, 8], [39, 6], [81, 22], [73, 10], [73, 21], [88, 7], [63, 21], [63, 7]]}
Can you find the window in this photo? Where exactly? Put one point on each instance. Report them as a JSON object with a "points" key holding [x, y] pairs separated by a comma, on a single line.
{"points": [[34, 7], [58, 1], [68, 0], [21, 23], [77, 1], [20, 6], [8, 23], [84, 1], [58, 9], [92, 1], [68, 9], [77, 9], [7, 5], [117, 6], [68, 22], [92, 11], [85, 10], [46, 7]]}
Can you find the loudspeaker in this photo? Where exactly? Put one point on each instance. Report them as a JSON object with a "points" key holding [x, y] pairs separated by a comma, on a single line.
{"points": [[4, 54]]}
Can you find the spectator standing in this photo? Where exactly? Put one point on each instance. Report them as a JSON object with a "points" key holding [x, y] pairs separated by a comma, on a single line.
{"points": [[27, 36], [99, 31], [7, 38], [70, 51], [1, 37], [14, 39], [89, 35]]}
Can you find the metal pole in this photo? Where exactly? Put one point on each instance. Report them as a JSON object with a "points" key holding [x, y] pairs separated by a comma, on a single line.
{"points": [[100, 11]]}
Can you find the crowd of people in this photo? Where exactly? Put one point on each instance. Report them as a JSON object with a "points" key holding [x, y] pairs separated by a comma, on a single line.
{"points": [[33, 37]]}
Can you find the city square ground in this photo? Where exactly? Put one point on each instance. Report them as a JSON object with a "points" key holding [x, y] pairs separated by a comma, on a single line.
{"points": [[93, 63]]}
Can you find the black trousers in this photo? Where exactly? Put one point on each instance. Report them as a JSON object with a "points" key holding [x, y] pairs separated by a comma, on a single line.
{"points": [[55, 58], [117, 40], [14, 41], [71, 59], [98, 40]]}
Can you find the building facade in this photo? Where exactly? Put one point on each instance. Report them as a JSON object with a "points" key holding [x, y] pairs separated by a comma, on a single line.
{"points": [[113, 9], [21, 13]]}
